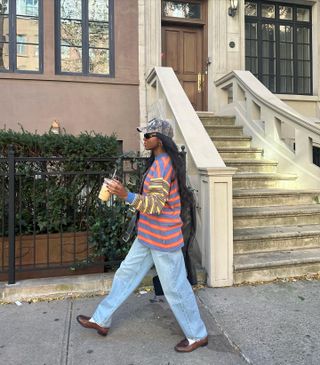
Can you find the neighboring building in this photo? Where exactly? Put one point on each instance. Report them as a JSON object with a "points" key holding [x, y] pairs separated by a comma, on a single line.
{"points": [[72, 61], [97, 65], [83, 57]]}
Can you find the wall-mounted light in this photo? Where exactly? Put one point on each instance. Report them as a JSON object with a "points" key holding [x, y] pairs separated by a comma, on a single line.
{"points": [[232, 11], [55, 127]]}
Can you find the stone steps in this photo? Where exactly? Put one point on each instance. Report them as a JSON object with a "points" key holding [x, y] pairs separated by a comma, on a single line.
{"points": [[257, 239], [234, 141], [252, 165], [276, 227], [211, 120], [224, 130], [274, 197], [251, 217], [240, 153], [267, 266], [263, 180]]}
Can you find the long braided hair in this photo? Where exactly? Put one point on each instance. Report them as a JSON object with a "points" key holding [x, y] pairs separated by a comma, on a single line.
{"points": [[177, 162]]}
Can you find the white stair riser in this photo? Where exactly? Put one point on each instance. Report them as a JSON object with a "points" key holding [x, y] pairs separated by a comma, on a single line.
{"points": [[245, 167], [231, 143], [276, 244], [248, 155], [270, 273], [224, 132], [261, 184], [258, 201], [207, 122], [276, 221]]}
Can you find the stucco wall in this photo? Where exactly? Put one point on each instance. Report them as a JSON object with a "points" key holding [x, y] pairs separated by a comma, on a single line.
{"points": [[79, 103]]}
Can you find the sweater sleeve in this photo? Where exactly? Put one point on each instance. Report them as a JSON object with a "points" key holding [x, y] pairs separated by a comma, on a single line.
{"points": [[158, 190]]}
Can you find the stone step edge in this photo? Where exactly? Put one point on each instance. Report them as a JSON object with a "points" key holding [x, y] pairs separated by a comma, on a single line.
{"points": [[271, 192], [264, 176], [275, 263], [232, 138], [70, 286], [238, 161], [242, 234], [278, 211]]}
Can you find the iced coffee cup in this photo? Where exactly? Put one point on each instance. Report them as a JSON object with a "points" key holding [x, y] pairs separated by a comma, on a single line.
{"points": [[104, 194]]}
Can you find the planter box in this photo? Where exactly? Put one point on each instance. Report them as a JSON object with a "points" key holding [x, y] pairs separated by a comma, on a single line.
{"points": [[49, 255]]}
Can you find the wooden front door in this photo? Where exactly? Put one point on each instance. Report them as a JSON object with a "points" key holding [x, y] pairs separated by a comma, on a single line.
{"points": [[182, 49]]}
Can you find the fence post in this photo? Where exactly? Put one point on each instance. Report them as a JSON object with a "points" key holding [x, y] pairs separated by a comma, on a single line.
{"points": [[11, 217]]}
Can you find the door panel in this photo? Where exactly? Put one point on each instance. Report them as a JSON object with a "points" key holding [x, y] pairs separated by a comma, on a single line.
{"points": [[182, 49]]}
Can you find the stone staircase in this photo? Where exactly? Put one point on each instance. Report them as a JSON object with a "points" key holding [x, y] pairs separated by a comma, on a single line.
{"points": [[276, 226]]}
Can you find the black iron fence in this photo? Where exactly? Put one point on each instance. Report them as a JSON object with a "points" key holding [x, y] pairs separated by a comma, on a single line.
{"points": [[49, 212], [51, 220]]}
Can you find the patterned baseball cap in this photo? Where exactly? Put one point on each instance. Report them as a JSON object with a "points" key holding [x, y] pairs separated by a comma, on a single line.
{"points": [[158, 125]]}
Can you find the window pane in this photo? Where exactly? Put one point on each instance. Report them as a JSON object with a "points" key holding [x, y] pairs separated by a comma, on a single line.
{"points": [[99, 61], [269, 82], [29, 27], [251, 31], [28, 7], [286, 34], [286, 84], [250, 9], [303, 15], [268, 66], [285, 12], [304, 85], [29, 60], [71, 9], [4, 56], [4, 28], [99, 10], [303, 52], [71, 59], [98, 35], [286, 67], [4, 7], [71, 33], [303, 35], [268, 32], [179, 9], [286, 51], [304, 68], [268, 11]]}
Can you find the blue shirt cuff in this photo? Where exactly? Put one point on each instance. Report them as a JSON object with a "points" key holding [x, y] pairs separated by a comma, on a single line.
{"points": [[130, 197]]}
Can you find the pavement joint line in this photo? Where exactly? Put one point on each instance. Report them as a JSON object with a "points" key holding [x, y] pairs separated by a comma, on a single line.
{"points": [[68, 332], [64, 357], [232, 343]]}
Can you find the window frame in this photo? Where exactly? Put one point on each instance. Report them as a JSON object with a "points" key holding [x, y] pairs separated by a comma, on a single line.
{"points": [[12, 18], [84, 42], [277, 22]]}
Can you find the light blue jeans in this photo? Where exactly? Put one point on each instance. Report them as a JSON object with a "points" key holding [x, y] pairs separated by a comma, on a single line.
{"points": [[170, 267]]}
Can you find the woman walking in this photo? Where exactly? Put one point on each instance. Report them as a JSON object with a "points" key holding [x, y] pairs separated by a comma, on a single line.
{"points": [[159, 241]]}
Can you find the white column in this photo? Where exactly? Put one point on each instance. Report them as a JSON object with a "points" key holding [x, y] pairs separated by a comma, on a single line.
{"points": [[217, 225]]}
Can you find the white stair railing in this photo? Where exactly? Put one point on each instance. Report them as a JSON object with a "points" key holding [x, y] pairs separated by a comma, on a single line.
{"points": [[206, 172], [283, 133]]}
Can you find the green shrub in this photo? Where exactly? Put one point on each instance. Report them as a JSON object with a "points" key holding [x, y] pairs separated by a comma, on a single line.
{"points": [[61, 195]]}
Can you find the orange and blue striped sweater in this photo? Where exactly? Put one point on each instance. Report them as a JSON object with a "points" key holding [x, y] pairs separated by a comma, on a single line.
{"points": [[159, 224]]}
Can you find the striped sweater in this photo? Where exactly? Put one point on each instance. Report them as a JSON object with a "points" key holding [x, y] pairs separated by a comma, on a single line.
{"points": [[159, 225]]}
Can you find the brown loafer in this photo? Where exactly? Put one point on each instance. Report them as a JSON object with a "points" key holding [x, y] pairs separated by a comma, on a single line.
{"points": [[184, 345], [84, 321]]}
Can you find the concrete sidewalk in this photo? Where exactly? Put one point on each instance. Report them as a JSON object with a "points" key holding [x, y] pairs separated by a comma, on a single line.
{"points": [[269, 324], [142, 333]]}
